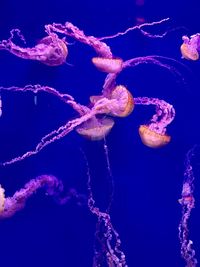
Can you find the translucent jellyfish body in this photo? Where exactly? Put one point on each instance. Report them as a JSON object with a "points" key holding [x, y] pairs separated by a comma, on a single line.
{"points": [[191, 47], [109, 65], [95, 129], [50, 50]]}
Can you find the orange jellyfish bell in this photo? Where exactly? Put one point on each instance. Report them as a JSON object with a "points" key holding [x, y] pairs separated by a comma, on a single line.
{"points": [[189, 52], [125, 101], [95, 129], [57, 53], [151, 138], [109, 65]]}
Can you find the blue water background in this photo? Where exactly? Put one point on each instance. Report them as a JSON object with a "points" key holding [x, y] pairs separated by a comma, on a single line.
{"points": [[148, 182]]}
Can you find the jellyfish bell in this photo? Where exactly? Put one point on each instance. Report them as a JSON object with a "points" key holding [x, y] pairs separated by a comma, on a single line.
{"points": [[151, 138], [109, 65], [189, 52], [95, 129], [118, 103], [125, 101], [56, 53]]}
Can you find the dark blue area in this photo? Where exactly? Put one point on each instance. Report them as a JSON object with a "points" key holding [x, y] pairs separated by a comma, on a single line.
{"points": [[148, 182]]}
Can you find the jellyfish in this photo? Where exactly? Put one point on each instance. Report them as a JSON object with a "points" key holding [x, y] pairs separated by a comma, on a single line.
{"points": [[187, 202], [190, 48], [154, 134], [53, 187], [120, 102], [50, 50]]}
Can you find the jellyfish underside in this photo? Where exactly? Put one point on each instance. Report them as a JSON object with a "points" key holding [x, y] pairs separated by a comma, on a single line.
{"points": [[109, 65], [151, 138], [95, 129]]}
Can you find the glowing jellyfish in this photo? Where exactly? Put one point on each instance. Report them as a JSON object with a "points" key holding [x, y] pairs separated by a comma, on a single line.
{"points": [[95, 129], [154, 134], [50, 50], [191, 47]]}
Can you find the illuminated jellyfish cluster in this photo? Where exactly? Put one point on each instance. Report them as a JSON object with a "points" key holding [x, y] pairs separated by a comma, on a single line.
{"points": [[94, 122], [190, 48]]}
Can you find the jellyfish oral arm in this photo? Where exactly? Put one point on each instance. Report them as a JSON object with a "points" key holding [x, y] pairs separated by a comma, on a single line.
{"points": [[69, 29], [52, 186], [165, 113]]}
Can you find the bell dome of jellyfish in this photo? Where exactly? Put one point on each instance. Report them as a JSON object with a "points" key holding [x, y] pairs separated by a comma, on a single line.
{"points": [[153, 139]]}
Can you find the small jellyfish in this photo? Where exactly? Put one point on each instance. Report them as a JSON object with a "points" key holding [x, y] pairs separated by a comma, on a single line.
{"points": [[109, 65], [95, 129], [50, 50], [151, 138], [118, 103], [191, 47]]}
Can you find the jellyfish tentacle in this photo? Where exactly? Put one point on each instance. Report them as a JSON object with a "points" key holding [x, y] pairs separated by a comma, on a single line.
{"points": [[53, 136], [139, 27], [109, 239], [39, 88], [53, 187]]}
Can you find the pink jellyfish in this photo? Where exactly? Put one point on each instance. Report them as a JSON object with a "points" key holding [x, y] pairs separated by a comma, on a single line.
{"points": [[50, 50], [190, 48], [154, 133], [187, 202], [10, 205]]}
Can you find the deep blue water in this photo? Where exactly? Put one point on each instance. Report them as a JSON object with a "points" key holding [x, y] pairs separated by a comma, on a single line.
{"points": [[148, 182]]}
